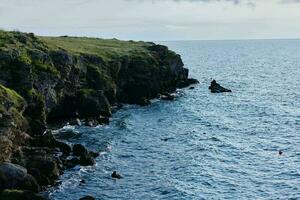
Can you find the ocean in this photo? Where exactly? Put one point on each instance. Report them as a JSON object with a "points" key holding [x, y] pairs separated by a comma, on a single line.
{"points": [[204, 145]]}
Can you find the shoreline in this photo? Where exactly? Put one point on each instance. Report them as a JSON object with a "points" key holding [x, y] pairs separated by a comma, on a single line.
{"points": [[47, 79]]}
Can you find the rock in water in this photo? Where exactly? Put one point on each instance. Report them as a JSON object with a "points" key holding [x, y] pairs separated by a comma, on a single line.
{"points": [[87, 198], [217, 88], [116, 175], [79, 150]]}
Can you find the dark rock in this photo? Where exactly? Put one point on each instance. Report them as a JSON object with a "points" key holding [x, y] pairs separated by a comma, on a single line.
{"points": [[217, 88], [82, 181], [91, 103], [48, 140], [75, 122], [167, 97], [103, 120], [79, 150], [71, 163], [41, 162], [191, 88], [29, 183], [13, 176], [87, 198], [116, 175], [20, 195], [91, 122], [87, 160], [192, 81], [94, 154], [143, 102], [65, 148]]}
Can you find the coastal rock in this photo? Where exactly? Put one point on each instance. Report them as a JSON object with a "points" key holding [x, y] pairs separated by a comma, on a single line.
{"points": [[143, 101], [40, 162], [79, 150], [188, 82], [71, 163], [75, 122], [15, 177], [103, 120], [20, 195], [167, 97], [48, 140], [40, 83], [87, 160], [217, 88]]}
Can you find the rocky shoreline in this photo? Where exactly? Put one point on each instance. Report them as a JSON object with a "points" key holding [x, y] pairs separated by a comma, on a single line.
{"points": [[47, 80]]}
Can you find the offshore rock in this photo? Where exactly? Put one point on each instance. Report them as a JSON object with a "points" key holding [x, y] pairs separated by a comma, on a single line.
{"points": [[217, 88]]}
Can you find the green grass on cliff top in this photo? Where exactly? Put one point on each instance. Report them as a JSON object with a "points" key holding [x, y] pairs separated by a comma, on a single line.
{"points": [[105, 48]]}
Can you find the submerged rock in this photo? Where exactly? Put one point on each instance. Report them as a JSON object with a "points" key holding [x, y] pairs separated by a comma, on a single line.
{"points": [[87, 198], [217, 88]]}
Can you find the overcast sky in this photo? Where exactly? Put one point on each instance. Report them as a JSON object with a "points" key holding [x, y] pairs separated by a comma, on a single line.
{"points": [[155, 19]]}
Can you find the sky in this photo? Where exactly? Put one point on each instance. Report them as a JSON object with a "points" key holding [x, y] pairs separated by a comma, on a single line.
{"points": [[155, 20]]}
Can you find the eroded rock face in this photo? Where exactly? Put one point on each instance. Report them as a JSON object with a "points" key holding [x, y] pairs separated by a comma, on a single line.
{"points": [[40, 83], [13, 126]]}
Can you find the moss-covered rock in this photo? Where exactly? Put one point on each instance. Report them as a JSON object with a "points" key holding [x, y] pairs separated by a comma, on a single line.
{"points": [[13, 126]]}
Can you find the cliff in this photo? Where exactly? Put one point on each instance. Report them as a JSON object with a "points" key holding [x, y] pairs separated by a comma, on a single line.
{"points": [[50, 79]]}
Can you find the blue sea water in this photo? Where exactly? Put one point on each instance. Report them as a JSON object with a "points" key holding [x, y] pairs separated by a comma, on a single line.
{"points": [[204, 145]]}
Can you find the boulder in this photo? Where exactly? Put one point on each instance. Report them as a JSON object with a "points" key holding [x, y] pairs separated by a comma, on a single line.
{"points": [[87, 160], [217, 88], [13, 176], [79, 150]]}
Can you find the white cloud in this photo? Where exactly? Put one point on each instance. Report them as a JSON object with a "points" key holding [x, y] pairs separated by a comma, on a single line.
{"points": [[154, 19]]}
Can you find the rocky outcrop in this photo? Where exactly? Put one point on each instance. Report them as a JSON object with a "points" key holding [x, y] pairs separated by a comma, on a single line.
{"points": [[45, 79], [217, 88]]}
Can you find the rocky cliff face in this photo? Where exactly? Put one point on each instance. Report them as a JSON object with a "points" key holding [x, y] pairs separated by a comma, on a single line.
{"points": [[53, 79]]}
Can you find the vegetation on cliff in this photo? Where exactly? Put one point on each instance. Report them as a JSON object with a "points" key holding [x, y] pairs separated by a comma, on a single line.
{"points": [[46, 79]]}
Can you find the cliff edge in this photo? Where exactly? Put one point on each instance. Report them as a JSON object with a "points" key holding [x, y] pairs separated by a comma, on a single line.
{"points": [[51, 79]]}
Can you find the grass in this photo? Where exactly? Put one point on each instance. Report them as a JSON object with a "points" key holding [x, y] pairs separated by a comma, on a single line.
{"points": [[8, 95], [105, 48]]}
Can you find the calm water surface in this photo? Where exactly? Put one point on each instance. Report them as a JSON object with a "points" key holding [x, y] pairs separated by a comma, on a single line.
{"points": [[203, 145]]}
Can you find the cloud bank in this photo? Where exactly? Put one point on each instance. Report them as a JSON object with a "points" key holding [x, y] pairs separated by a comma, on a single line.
{"points": [[155, 19]]}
